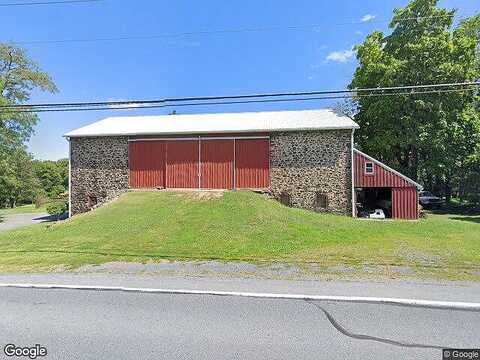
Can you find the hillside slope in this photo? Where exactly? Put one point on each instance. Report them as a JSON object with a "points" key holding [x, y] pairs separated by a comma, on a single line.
{"points": [[143, 226]]}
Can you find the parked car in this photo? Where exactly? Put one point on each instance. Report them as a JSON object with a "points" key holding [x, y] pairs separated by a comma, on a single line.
{"points": [[427, 199]]}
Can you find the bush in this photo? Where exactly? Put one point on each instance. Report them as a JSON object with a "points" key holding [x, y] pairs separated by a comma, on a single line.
{"points": [[57, 208]]}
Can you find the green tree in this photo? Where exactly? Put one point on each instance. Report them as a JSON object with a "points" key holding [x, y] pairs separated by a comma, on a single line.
{"points": [[53, 176], [18, 183], [19, 75], [427, 136]]}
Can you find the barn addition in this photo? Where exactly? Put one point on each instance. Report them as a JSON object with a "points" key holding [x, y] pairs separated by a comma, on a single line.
{"points": [[379, 186]]}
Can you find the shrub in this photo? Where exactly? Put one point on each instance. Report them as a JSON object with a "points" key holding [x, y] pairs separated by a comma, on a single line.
{"points": [[57, 208]]}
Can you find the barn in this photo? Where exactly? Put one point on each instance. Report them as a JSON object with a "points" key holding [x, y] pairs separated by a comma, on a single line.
{"points": [[304, 158]]}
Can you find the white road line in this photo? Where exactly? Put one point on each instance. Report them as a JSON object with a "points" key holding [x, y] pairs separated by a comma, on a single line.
{"points": [[449, 305]]}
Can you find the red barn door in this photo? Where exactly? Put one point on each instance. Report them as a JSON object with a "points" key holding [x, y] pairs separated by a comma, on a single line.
{"points": [[252, 163], [147, 164], [405, 203], [216, 164], [182, 164]]}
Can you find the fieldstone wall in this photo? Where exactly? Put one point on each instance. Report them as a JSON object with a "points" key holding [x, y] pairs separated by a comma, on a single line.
{"points": [[310, 168], [99, 171]]}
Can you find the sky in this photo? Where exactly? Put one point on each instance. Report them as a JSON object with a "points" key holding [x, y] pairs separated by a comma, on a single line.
{"points": [[303, 59]]}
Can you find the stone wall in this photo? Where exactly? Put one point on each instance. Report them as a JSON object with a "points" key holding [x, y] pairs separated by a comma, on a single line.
{"points": [[306, 165], [99, 171]]}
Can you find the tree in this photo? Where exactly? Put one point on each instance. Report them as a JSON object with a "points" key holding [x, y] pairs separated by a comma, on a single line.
{"points": [[53, 176], [427, 136], [18, 183], [19, 75]]}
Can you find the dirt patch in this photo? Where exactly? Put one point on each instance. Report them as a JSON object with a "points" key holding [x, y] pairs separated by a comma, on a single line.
{"points": [[200, 195], [248, 270], [421, 258]]}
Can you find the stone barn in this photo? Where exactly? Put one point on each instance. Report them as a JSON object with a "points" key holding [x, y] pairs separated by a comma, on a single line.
{"points": [[303, 158]]}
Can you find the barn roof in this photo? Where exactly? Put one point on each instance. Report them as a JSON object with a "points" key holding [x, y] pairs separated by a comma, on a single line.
{"points": [[216, 123]]}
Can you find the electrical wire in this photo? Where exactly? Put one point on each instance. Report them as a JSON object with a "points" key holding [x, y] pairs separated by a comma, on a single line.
{"points": [[31, 3], [126, 107], [215, 32], [111, 104]]}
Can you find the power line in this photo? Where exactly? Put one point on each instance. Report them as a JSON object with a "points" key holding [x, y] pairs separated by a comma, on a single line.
{"points": [[213, 32], [246, 96], [32, 3], [351, 96]]}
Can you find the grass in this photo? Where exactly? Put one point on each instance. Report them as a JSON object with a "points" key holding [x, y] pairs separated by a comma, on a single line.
{"points": [[143, 226], [23, 209]]}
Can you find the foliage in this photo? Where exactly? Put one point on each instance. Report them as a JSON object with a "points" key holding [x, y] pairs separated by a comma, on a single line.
{"points": [[429, 137], [18, 183], [53, 176], [57, 208], [19, 75]]}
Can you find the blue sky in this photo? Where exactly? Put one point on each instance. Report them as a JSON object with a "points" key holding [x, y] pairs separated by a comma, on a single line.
{"points": [[197, 65]]}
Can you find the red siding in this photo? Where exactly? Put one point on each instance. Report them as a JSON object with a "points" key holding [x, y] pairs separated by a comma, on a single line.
{"points": [[147, 164], [252, 163], [380, 178], [216, 166], [404, 203], [182, 164]]}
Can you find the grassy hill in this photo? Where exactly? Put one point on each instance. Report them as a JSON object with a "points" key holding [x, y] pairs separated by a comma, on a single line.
{"points": [[143, 226]]}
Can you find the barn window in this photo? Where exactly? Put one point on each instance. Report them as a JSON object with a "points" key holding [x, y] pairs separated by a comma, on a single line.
{"points": [[91, 201], [286, 199], [369, 168], [321, 201]]}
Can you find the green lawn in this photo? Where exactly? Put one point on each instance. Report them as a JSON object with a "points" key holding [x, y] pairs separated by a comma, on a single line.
{"points": [[23, 209], [142, 226]]}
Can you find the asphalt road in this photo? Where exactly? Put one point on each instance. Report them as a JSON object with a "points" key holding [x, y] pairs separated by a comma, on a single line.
{"points": [[75, 324], [14, 221]]}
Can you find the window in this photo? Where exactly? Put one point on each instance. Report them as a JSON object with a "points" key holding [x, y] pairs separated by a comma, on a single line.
{"points": [[369, 168], [321, 201], [285, 199], [92, 201]]}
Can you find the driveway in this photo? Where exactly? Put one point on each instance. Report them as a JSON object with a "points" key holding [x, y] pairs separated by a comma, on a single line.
{"points": [[9, 222]]}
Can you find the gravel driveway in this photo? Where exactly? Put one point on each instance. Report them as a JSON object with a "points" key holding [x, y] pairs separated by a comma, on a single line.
{"points": [[10, 222]]}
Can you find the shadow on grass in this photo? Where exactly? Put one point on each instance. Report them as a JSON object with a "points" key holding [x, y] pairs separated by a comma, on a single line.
{"points": [[474, 219], [48, 218], [455, 209]]}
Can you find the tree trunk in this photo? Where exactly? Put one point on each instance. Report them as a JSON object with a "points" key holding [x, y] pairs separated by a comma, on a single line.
{"points": [[414, 163], [448, 191]]}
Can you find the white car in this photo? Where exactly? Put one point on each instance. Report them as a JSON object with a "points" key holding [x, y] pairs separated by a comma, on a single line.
{"points": [[377, 214]]}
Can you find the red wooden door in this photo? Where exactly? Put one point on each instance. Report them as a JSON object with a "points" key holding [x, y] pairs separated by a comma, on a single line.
{"points": [[405, 203], [147, 164], [182, 164], [252, 163], [216, 164]]}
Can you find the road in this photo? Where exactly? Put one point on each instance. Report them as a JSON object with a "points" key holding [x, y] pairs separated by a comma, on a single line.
{"points": [[84, 324], [14, 221], [408, 288]]}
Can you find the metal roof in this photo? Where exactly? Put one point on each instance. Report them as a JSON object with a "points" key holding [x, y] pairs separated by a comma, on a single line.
{"points": [[216, 123]]}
